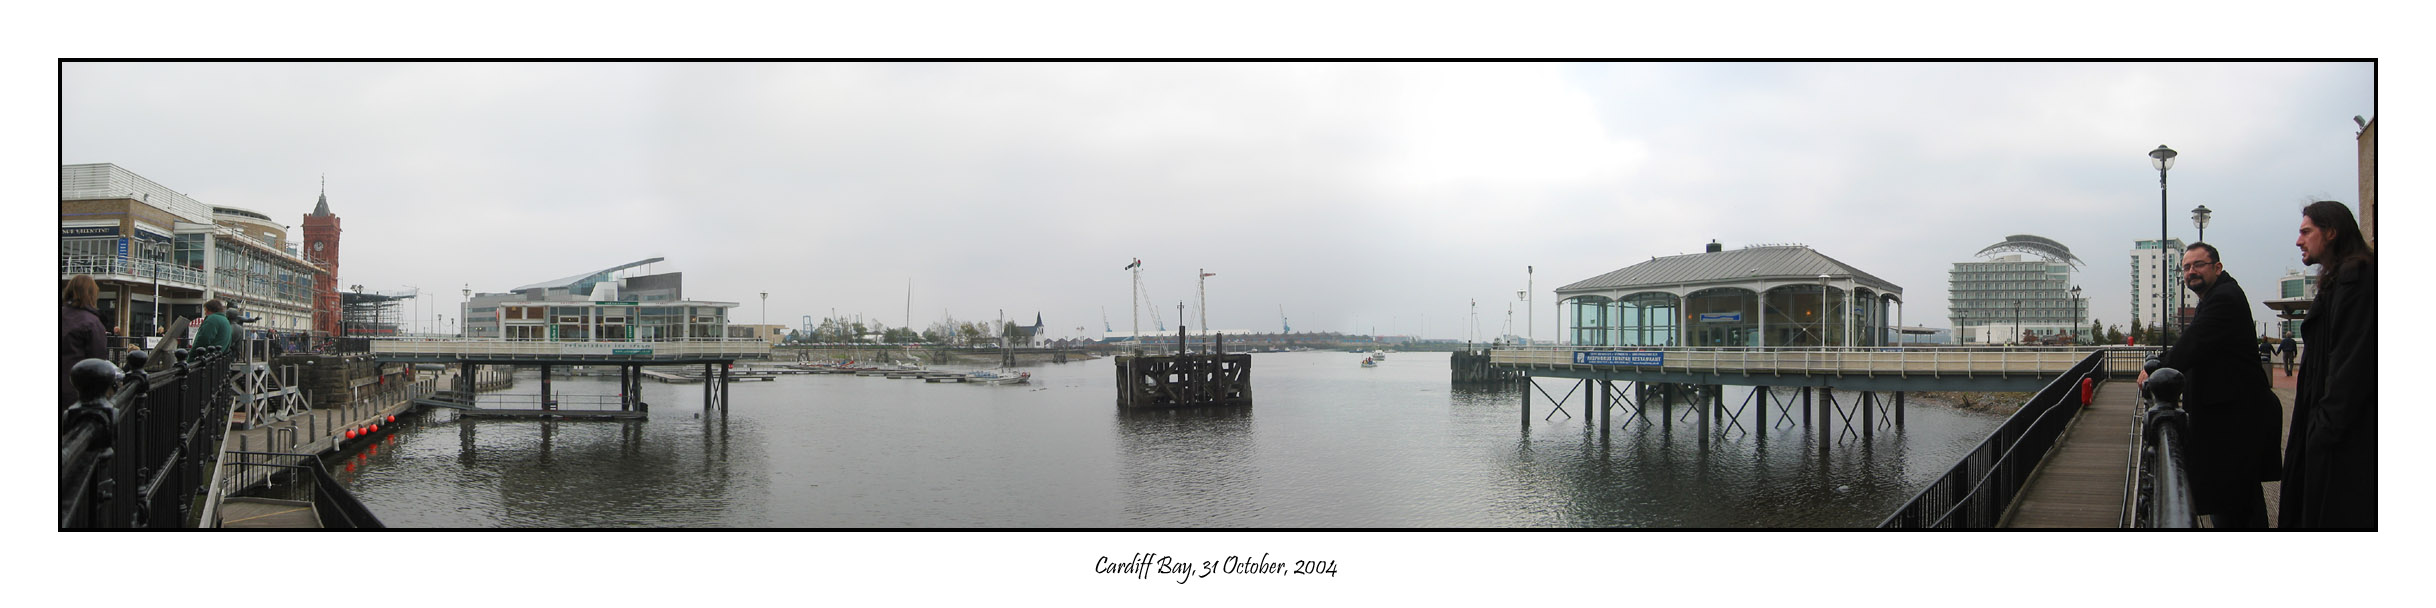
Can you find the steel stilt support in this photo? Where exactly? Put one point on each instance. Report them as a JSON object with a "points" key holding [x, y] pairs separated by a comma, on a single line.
{"points": [[1528, 385], [1869, 417], [1805, 406], [1898, 409]]}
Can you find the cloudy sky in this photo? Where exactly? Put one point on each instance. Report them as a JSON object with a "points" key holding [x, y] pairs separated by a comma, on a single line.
{"points": [[1351, 195]]}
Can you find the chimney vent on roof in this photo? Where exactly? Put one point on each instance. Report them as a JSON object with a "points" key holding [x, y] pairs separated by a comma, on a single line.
{"points": [[1714, 247]]}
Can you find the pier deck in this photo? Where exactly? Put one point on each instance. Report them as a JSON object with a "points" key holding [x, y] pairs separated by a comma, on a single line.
{"points": [[2080, 484]]}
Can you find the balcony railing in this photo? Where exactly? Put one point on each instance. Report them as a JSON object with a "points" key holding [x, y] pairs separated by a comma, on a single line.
{"points": [[1871, 361], [113, 267], [528, 349]]}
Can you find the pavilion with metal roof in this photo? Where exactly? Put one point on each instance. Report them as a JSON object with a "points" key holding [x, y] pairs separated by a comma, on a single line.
{"points": [[1762, 295]]}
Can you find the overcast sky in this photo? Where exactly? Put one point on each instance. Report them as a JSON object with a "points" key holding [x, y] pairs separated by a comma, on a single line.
{"points": [[1352, 196]]}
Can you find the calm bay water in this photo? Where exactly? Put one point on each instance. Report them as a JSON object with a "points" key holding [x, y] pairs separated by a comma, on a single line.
{"points": [[1327, 444]]}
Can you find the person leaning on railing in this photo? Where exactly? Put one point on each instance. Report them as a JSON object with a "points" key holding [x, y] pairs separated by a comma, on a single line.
{"points": [[2235, 417]]}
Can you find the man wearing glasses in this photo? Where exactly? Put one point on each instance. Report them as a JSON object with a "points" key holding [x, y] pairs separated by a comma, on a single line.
{"points": [[2236, 420]]}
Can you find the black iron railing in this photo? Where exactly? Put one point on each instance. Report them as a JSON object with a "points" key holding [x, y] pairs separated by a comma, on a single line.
{"points": [[132, 450], [1977, 490], [299, 477], [2163, 499]]}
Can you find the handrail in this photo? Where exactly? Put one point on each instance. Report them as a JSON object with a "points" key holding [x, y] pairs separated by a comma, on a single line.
{"points": [[131, 447], [1975, 491], [2164, 494], [336, 507]]}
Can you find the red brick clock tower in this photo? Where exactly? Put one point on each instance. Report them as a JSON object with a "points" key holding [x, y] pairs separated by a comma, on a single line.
{"points": [[321, 246]]}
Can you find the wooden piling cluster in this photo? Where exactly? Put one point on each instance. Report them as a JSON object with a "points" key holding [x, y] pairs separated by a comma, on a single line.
{"points": [[1471, 368], [1212, 379]]}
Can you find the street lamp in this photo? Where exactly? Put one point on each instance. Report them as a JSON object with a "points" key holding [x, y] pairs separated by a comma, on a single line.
{"points": [[2076, 314], [152, 249], [765, 313], [2163, 159], [1822, 313], [464, 305], [2200, 216]]}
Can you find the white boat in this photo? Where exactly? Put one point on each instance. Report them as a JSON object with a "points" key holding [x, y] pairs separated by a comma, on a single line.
{"points": [[997, 377], [1378, 355], [1367, 362]]}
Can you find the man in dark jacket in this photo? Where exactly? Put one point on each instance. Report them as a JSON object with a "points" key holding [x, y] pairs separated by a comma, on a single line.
{"points": [[2235, 417], [2289, 348], [2330, 459], [81, 332]]}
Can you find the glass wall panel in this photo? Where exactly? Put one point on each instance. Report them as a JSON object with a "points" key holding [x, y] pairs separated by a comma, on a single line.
{"points": [[1797, 316], [1646, 319], [1591, 323], [1722, 316]]}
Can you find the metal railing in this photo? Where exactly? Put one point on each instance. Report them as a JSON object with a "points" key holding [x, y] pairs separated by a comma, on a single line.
{"points": [[493, 347], [1975, 492], [1870, 361], [132, 448], [2162, 498], [299, 477], [133, 269]]}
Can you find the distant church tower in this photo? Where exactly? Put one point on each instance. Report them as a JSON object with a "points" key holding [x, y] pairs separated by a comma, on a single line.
{"points": [[321, 246]]}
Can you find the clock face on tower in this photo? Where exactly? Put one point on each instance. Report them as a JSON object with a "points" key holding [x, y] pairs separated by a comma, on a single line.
{"points": [[317, 245]]}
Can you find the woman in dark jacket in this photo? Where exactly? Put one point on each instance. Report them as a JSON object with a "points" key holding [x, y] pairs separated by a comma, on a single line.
{"points": [[81, 332]]}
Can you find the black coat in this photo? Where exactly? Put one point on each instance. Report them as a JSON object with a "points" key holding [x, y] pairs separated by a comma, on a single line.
{"points": [[2235, 417], [2330, 460], [81, 336]]}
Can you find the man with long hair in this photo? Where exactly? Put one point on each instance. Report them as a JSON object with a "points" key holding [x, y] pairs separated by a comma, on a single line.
{"points": [[2330, 458], [82, 333]]}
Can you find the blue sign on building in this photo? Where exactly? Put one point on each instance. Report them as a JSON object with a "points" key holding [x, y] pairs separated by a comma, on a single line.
{"points": [[1721, 317], [1633, 358]]}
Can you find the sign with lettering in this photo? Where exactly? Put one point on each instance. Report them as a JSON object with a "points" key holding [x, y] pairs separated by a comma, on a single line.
{"points": [[69, 232], [1632, 358], [1721, 317]]}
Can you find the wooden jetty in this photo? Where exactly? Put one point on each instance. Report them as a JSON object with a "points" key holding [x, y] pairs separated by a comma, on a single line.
{"points": [[1184, 380], [1471, 367], [2080, 484]]}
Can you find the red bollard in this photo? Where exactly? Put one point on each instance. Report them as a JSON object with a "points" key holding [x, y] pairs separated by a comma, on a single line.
{"points": [[2088, 389]]}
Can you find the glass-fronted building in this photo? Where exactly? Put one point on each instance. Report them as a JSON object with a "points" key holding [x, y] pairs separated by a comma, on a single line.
{"points": [[2004, 295], [151, 248], [598, 306], [1762, 295], [2156, 284]]}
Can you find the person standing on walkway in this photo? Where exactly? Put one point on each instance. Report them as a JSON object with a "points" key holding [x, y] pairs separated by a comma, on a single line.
{"points": [[2290, 348], [2235, 417], [215, 330], [81, 332], [2330, 459]]}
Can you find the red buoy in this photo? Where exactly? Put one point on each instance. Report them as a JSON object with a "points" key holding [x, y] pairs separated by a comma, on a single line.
{"points": [[350, 433], [393, 419], [375, 429]]}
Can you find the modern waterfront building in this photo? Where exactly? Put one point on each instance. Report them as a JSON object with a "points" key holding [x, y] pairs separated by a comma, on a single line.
{"points": [[2005, 295], [2294, 293], [131, 234], [2154, 276], [598, 306], [1761, 295]]}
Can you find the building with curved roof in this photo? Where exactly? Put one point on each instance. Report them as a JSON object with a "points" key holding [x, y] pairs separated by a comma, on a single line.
{"points": [[2007, 298], [1762, 295]]}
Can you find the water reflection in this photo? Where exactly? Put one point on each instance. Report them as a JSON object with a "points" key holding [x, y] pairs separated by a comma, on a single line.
{"points": [[1333, 445]]}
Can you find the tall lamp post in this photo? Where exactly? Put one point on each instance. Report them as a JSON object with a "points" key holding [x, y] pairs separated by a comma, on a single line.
{"points": [[2017, 323], [2076, 315], [765, 312], [2163, 159], [152, 249], [1822, 313], [465, 305]]}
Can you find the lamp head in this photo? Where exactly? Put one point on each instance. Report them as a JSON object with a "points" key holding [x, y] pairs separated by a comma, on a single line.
{"points": [[2162, 157]]}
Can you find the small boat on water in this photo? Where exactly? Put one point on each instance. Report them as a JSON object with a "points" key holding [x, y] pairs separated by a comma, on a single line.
{"points": [[998, 377], [1378, 355], [1368, 362]]}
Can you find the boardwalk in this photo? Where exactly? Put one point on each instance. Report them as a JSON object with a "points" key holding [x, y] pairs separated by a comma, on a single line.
{"points": [[2080, 483]]}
